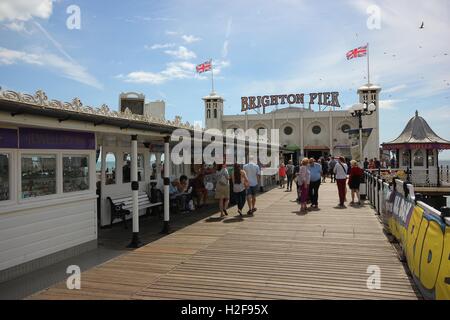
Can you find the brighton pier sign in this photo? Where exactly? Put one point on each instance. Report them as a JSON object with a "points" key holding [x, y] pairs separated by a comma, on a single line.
{"points": [[330, 99]]}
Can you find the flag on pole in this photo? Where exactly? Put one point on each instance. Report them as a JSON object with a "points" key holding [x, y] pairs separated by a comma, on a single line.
{"points": [[203, 67], [358, 52]]}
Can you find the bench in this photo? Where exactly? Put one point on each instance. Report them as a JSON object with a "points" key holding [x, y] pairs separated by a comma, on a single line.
{"points": [[123, 206]]}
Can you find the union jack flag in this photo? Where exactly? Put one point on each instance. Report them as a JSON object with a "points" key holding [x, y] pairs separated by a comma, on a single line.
{"points": [[358, 52], [203, 67]]}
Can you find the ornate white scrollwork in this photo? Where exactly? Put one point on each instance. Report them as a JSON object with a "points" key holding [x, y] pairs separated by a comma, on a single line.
{"points": [[40, 99]]}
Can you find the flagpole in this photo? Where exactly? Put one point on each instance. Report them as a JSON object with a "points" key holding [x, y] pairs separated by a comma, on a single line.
{"points": [[212, 76], [368, 69]]}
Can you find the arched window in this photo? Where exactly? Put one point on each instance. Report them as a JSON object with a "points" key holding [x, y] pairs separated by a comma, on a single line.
{"points": [[345, 128], [431, 158], [418, 158], [110, 164], [208, 113], [215, 113], [405, 159]]}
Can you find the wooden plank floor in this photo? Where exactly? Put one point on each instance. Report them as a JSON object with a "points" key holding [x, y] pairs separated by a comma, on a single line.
{"points": [[277, 254]]}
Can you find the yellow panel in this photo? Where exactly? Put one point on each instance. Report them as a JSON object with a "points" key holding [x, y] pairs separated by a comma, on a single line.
{"points": [[442, 288], [413, 231], [431, 255], [418, 246]]}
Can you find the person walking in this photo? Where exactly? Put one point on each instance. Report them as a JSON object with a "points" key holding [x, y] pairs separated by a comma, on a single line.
{"points": [[325, 169], [303, 180], [282, 175], [253, 172], [354, 181], [331, 166], [240, 184], [340, 171], [296, 172], [223, 188], [290, 175], [315, 170]]}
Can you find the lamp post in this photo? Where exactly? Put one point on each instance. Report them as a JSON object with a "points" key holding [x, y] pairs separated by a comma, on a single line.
{"points": [[359, 110]]}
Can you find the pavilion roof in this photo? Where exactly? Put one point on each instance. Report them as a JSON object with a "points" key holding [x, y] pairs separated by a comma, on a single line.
{"points": [[417, 135]]}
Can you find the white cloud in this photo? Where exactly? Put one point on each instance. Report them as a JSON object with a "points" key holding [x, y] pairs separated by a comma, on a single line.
{"points": [[190, 38], [172, 33], [160, 46], [395, 88], [17, 26], [389, 104], [24, 10], [173, 70], [67, 68], [181, 53], [225, 49]]}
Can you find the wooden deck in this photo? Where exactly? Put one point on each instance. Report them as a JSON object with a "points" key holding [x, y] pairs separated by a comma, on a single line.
{"points": [[277, 254]]}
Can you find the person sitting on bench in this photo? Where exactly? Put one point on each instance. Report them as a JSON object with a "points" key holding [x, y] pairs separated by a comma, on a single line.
{"points": [[199, 191]]}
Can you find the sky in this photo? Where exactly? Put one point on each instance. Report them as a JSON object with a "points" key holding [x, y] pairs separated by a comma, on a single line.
{"points": [[94, 50]]}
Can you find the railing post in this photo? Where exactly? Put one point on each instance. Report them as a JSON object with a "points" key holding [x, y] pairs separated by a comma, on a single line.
{"points": [[438, 177]]}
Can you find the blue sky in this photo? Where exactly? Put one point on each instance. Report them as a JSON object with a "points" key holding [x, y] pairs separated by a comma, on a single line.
{"points": [[258, 47]]}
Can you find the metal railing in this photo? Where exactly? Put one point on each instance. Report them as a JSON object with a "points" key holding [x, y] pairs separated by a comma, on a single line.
{"points": [[431, 177]]}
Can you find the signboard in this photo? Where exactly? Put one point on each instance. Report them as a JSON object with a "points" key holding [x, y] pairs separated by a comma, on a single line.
{"points": [[32, 138], [8, 138], [330, 99], [353, 136]]}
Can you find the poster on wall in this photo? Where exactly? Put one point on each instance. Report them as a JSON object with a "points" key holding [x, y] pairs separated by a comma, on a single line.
{"points": [[353, 136]]}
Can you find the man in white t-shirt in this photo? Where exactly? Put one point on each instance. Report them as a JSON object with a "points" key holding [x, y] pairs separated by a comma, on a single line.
{"points": [[340, 171], [253, 172]]}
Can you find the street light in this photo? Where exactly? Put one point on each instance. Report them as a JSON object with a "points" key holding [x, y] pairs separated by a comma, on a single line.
{"points": [[359, 110]]}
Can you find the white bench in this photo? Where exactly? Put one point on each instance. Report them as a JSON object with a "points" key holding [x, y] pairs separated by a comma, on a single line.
{"points": [[122, 206]]}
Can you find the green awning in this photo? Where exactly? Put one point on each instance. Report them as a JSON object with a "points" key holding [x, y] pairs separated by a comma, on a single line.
{"points": [[292, 147]]}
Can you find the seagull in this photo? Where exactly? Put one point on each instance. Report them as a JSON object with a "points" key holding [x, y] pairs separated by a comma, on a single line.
{"points": [[422, 25]]}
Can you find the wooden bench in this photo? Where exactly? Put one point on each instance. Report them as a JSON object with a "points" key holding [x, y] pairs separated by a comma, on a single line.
{"points": [[123, 206]]}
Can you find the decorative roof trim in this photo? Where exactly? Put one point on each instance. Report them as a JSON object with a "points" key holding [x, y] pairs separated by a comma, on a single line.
{"points": [[40, 99]]}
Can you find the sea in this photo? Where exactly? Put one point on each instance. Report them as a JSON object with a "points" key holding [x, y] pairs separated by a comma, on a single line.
{"points": [[444, 163]]}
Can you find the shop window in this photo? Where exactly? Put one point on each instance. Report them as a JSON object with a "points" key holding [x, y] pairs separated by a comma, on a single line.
{"points": [[405, 159], [4, 176], [431, 158], [110, 163], [418, 158], [38, 175], [316, 129], [75, 173], [126, 169]]}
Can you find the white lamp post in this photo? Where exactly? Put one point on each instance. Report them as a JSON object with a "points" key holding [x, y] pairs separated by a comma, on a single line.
{"points": [[359, 110]]}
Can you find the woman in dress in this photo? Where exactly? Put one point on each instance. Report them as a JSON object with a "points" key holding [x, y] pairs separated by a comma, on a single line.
{"points": [[282, 174], [223, 188], [303, 180], [354, 181]]}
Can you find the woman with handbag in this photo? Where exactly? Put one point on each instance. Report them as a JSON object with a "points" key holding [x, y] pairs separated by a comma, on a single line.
{"points": [[223, 188], [240, 185]]}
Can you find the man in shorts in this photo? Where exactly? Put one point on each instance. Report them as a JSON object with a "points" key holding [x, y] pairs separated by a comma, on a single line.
{"points": [[253, 172]]}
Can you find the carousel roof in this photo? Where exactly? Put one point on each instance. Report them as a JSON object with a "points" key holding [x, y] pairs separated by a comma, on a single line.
{"points": [[418, 135]]}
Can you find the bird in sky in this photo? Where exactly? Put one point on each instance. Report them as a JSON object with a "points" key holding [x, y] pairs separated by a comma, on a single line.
{"points": [[422, 25]]}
